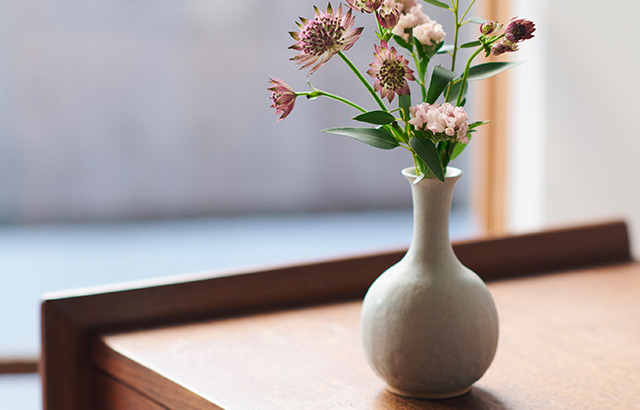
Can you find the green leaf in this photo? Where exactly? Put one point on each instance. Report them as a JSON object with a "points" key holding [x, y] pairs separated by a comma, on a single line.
{"points": [[427, 151], [457, 150], [376, 137], [426, 51], [486, 70], [477, 124], [439, 80], [404, 102], [477, 20], [437, 3], [445, 49], [472, 44], [402, 43], [376, 117]]}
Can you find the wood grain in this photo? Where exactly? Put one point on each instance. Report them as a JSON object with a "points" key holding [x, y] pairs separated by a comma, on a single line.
{"points": [[567, 341], [110, 394], [70, 318]]}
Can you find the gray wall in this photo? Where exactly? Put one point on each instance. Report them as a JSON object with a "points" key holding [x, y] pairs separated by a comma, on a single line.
{"points": [[116, 109]]}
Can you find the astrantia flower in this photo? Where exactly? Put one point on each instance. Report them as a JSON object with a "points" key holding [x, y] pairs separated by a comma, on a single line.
{"points": [[445, 121], [429, 33], [365, 6], [490, 27], [327, 34], [391, 72], [388, 16], [519, 30], [282, 96], [505, 47]]}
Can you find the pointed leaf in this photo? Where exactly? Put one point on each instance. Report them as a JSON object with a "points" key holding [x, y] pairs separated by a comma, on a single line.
{"points": [[477, 124], [402, 43], [376, 117], [376, 137], [477, 20], [437, 3], [428, 152], [486, 70], [457, 150], [445, 49], [472, 44], [439, 80]]}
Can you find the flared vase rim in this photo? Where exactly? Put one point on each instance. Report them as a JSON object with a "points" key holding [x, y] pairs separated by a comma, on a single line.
{"points": [[452, 173]]}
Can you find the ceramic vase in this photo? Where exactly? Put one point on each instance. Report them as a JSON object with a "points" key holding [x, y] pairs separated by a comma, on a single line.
{"points": [[429, 324]]}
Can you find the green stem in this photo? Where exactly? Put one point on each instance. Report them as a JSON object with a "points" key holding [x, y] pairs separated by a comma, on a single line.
{"points": [[466, 75], [421, 76], [467, 10], [363, 80], [320, 93], [455, 37], [380, 31], [450, 149]]}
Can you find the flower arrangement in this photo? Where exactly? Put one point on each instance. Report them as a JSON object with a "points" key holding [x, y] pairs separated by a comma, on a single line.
{"points": [[436, 129]]}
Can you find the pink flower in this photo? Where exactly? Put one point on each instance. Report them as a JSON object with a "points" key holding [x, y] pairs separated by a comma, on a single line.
{"points": [[505, 47], [429, 33], [323, 37], [391, 72], [445, 121], [408, 20], [519, 30], [402, 5], [365, 6], [282, 96], [388, 16]]}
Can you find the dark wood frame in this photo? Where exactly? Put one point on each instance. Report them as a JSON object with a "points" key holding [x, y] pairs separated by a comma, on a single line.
{"points": [[70, 319]]}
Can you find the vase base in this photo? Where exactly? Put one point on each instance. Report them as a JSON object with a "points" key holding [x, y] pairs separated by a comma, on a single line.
{"points": [[428, 395]]}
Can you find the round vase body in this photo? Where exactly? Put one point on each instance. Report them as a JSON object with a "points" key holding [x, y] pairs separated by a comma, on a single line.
{"points": [[429, 324]]}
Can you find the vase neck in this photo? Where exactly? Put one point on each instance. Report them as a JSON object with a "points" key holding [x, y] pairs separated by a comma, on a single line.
{"points": [[431, 209]]}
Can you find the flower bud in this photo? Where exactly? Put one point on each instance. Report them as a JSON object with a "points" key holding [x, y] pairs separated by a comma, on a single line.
{"points": [[519, 30], [388, 16], [505, 47], [488, 27], [365, 6]]}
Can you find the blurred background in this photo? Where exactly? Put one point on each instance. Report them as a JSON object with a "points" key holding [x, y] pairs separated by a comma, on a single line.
{"points": [[136, 140]]}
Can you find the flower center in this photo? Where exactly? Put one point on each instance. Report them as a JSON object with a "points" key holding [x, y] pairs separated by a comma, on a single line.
{"points": [[519, 31], [392, 74], [321, 35]]}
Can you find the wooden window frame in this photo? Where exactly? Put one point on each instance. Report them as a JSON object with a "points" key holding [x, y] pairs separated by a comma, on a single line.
{"points": [[489, 196]]}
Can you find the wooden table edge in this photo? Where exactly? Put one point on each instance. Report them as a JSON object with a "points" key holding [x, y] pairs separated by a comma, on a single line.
{"points": [[70, 319]]}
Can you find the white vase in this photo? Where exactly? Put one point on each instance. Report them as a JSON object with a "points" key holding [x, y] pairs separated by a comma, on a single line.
{"points": [[429, 324]]}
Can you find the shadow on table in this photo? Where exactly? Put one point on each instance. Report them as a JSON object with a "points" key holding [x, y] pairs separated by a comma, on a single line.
{"points": [[476, 399]]}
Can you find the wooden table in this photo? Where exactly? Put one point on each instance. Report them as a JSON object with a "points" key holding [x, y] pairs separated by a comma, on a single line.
{"points": [[288, 337]]}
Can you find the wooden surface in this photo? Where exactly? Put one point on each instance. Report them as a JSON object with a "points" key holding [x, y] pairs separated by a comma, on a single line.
{"points": [[70, 319], [568, 340], [111, 394]]}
